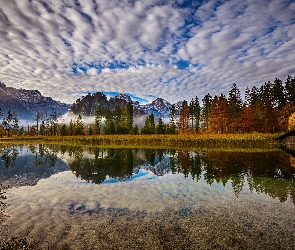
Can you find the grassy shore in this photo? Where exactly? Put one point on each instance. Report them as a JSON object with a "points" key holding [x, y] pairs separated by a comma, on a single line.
{"points": [[198, 140]]}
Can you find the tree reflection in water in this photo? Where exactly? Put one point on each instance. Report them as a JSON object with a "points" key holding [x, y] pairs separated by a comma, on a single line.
{"points": [[264, 172], [270, 172]]}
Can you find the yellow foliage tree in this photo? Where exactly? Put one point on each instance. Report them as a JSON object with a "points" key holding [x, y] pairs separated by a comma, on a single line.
{"points": [[291, 122]]}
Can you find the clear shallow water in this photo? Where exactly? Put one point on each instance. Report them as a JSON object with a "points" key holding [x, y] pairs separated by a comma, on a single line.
{"points": [[93, 198]]}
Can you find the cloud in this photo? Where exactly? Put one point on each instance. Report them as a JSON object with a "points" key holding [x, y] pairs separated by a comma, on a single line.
{"points": [[169, 49]]}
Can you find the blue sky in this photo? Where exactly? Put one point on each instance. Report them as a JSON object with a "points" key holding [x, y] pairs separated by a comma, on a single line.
{"points": [[169, 49]]}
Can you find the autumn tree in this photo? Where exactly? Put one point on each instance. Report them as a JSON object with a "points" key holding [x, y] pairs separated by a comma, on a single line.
{"points": [[285, 113], [218, 120], [183, 123], [291, 122]]}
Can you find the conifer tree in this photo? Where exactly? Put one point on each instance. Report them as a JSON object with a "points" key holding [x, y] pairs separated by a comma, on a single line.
{"points": [[278, 94], [149, 125], [196, 114], [160, 128], [205, 114], [235, 107], [290, 89], [63, 130], [6, 122], [97, 123], [53, 123], [71, 130], [127, 118], [109, 123], [79, 126], [117, 118], [172, 127]]}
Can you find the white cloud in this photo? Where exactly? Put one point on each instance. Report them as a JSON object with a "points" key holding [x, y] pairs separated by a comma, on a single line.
{"points": [[243, 41]]}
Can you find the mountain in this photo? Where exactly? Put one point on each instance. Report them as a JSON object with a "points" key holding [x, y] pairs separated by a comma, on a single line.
{"points": [[26, 103], [89, 103], [159, 108]]}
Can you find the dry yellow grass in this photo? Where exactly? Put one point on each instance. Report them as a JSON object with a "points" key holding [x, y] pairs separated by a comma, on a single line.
{"points": [[198, 140]]}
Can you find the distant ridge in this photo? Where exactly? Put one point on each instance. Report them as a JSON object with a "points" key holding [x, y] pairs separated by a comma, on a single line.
{"points": [[26, 103]]}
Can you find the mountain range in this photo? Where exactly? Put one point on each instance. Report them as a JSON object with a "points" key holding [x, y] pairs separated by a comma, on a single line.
{"points": [[26, 103], [89, 103]]}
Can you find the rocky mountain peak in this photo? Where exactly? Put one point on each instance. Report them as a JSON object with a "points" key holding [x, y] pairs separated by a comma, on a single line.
{"points": [[124, 97], [88, 105], [158, 107], [26, 103]]}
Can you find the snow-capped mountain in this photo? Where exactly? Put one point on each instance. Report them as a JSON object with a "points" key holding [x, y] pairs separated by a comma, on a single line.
{"points": [[26, 103], [159, 108]]}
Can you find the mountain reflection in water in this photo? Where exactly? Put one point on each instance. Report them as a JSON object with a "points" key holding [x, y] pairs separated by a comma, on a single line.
{"points": [[270, 172]]}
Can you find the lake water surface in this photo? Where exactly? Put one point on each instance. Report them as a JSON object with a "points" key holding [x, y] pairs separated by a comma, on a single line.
{"points": [[72, 197]]}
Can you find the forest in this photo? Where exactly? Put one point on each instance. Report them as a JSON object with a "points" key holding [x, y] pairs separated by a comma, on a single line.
{"points": [[269, 108]]}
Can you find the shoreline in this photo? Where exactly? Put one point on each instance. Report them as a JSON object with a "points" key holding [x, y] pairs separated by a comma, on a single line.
{"points": [[198, 140]]}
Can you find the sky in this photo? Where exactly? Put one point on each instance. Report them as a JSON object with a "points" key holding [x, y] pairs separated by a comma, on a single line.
{"points": [[174, 50]]}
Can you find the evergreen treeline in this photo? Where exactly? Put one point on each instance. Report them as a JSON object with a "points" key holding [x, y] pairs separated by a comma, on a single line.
{"points": [[269, 108], [45, 125]]}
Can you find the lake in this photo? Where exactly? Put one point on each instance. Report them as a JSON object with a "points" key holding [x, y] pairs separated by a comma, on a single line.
{"points": [[72, 197]]}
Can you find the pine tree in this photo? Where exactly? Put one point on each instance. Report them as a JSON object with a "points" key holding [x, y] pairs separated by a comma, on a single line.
{"points": [[160, 128], [7, 123], [90, 131], [117, 118], [71, 130], [172, 127], [53, 123], [235, 107], [97, 123], [278, 94], [205, 114], [79, 126], [63, 130], [15, 126], [42, 130], [290, 89], [109, 123], [197, 114], [149, 125], [191, 113], [127, 118]]}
